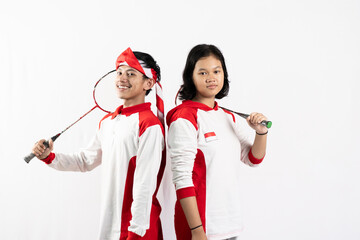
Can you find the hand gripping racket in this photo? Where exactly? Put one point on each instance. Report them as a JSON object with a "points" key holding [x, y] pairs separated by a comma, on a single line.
{"points": [[267, 124], [102, 96]]}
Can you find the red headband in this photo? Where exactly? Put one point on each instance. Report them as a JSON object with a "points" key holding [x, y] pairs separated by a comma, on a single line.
{"points": [[128, 58]]}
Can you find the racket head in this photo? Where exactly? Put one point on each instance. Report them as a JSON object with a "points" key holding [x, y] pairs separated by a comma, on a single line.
{"points": [[104, 93]]}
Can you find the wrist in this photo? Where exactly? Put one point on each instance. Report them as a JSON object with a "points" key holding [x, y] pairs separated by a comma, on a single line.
{"points": [[262, 133], [44, 157], [49, 158], [194, 228], [198, 232]]}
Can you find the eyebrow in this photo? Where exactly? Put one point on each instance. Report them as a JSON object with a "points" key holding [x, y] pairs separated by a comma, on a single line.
{"points": [[128, 70], [203, 69]]}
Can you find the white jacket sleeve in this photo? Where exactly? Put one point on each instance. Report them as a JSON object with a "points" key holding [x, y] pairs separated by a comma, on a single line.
{"points": [[182, 146], [148, 160], [245, 143], [85, 160]]}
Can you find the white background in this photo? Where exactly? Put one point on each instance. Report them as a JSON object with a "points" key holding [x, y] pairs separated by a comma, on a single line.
{"points": [[298, 62]]}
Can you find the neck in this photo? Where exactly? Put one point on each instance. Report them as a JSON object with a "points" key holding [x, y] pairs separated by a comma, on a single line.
{"points": [[133, 102], [210, 102]]}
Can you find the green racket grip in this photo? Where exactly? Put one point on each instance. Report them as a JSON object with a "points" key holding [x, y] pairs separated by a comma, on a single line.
{"points": [[267, 124]]}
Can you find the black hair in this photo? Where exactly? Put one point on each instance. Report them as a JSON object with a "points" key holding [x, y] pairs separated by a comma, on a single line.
{"points": [[149, 63], [188, 89]]}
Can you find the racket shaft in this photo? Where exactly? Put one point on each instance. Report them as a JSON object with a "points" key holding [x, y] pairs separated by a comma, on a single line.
{"points": [[29, 157], [53, 138]]}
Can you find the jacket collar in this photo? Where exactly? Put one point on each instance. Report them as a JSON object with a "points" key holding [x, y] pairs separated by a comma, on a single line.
{"points": [[130, 110], [200, 105]]}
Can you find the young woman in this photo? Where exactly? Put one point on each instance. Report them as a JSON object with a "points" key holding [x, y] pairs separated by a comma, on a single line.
{"points": [[207, 147], [129, 145]]}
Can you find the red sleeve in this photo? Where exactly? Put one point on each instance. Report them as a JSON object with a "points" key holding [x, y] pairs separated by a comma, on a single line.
{"points": [[49, 158], [253, 159], [133, 236], [185, 192]]}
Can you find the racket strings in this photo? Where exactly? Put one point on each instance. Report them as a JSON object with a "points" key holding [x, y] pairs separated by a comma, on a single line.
{"points": [[105, 95]]}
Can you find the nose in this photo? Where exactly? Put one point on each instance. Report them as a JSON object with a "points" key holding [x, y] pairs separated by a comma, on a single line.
{"points": [[121, 78], [211, 78]]}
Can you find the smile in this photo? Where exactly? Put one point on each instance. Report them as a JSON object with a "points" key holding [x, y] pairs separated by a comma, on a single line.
{"points": [[122, 87]]}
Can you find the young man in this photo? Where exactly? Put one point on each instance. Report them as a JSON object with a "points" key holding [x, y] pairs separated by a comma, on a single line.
{"points": [[129, 145]]}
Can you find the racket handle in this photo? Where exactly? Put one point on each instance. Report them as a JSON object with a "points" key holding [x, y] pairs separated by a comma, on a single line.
{"points": [[29, 157], [267, 124]]}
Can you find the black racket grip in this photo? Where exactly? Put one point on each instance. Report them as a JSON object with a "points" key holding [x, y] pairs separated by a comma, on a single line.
{"points": [[29, 157]]}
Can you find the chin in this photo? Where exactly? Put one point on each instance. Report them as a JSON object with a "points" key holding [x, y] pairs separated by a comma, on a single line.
{"points": [[121, 96], [211, 94]]}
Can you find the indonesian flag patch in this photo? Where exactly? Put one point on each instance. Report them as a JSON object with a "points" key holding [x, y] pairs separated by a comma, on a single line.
{"points": [[210, 136]]}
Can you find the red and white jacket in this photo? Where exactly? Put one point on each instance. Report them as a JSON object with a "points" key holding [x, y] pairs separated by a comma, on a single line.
{"points": [[130, 147], [207, 147]]}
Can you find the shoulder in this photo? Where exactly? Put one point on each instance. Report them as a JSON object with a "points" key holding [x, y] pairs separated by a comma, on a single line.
{"points": [[148, 119], [105, 117], [184, 111], [229, 114]]}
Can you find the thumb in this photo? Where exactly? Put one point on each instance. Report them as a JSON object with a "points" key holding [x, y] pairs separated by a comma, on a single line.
{"points": [[51, 145]]}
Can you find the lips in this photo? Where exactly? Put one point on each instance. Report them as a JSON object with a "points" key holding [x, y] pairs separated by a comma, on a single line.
{"points": [[212, 86]]}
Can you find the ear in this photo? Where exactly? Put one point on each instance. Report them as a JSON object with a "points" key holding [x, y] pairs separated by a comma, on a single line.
{"points": [[148, 84]]}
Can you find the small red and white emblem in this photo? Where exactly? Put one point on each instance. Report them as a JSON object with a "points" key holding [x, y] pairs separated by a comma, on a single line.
{"points": [[210, 136]]}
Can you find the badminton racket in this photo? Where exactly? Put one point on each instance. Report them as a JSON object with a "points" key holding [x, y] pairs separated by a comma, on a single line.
{"points": [[104, 97], [267, 124]]}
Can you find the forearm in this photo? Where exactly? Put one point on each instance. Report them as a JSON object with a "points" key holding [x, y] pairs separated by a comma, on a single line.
{"points": [[259, 147], [190, 208], [82, 161]]}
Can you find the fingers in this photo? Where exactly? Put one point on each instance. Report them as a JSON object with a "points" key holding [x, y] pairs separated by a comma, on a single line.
{"points": [[256, 118], [40, 150]]}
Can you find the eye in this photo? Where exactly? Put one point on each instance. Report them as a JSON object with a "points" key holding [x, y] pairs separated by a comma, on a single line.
{"points": [[202, 73], [217, 71], [130, 74], [119, 73]]}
